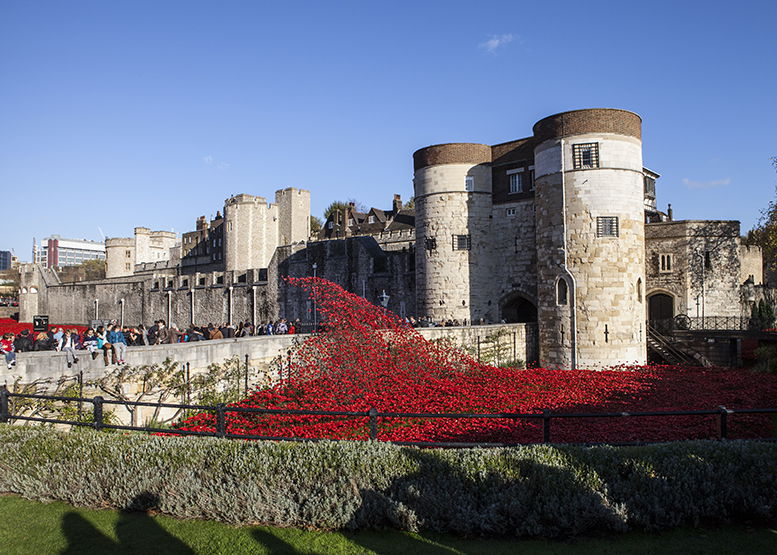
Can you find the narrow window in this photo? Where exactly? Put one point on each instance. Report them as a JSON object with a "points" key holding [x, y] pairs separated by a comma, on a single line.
{"points": [[469, 183], [516, 181], [127, 266], [510, 212], [531, 178], [431, 243], [462, 242], [129, 254], [562, 292], [371, 219], [707, 260], [665, 263], [639, 290], [607, 226], [585, 155]]}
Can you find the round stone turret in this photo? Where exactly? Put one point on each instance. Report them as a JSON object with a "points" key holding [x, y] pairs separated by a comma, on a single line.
{"points": [[453, 207], [590, 238]]}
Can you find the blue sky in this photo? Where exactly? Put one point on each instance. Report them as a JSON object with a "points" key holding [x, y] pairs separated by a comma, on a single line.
{"points": [[122, 114]]}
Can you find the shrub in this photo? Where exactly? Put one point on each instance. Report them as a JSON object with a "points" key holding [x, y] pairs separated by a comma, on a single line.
{"points": [[525, 491]]}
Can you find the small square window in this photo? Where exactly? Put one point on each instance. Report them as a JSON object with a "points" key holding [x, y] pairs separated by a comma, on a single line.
{"points": [[202, 281], [431, 243], [220, 280], [462, 242], [469, 183], [585, 155], [510, 212], [607, 226]]}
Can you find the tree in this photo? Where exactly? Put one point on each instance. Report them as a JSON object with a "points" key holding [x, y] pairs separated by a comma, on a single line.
{"points": [[335, 206], [410, 204], [764, 235], [87, 270], [315, 224]]}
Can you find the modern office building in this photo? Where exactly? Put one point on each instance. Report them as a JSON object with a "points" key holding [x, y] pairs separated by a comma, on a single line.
{"points": [[57, 252]]}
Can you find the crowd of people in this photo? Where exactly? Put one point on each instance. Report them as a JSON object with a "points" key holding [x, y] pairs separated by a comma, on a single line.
{"points": [[112, 340]]}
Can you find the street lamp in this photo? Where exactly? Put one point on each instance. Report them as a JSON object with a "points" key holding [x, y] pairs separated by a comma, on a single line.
{"points": [[384, 299], [121, 318], [315, 311]]}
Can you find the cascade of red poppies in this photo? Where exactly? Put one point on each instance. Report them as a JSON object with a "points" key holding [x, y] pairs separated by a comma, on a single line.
{"points": [[366, 357]]}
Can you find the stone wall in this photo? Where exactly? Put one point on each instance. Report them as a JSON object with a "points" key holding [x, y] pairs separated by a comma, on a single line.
{"points": [[266, 357]]}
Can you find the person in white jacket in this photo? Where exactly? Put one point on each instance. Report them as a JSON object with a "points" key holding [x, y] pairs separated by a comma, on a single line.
{"points": [[68, 344]]}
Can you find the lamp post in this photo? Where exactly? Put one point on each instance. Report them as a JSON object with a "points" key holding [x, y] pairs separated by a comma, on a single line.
{"points": [[384, 299], [121, 317], [315, 310]]}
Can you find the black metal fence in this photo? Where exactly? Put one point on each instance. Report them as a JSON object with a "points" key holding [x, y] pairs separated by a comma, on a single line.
{"points": [[98, 422], [682, 322]]}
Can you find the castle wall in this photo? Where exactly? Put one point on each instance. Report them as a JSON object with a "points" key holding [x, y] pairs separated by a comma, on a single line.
{"points": [[706, 271], [360, 265], [293, 215], [450, 280], [751, 262], [119, 257], [513, 256], [594, 318]]}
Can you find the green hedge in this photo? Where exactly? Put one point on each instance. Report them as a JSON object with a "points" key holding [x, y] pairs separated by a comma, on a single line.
{"points": [[524, 491]]}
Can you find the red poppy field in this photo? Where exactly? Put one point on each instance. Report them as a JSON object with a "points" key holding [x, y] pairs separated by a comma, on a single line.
{"points": [[367, 357]]}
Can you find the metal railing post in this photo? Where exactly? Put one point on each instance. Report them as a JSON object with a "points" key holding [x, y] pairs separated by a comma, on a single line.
{"points": [[97, 413], [723, 422], [246, 377], [373, 412], [4, 413], [545, 426], [221, 421]]}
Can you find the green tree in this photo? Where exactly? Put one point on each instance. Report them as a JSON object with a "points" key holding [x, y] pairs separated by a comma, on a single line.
{"points": [[315, 224], [336, 206], [764, 235]]}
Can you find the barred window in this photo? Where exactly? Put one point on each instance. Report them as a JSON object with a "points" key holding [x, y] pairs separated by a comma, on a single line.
{"points": [[462, 242], [585, 155], [469, 183], [607, 226], [431, 243]]}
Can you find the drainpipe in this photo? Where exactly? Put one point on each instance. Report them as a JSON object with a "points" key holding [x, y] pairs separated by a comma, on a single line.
{"points": [[169, 306], [97, 309], [565, 268], [191, 305], [253, 305], [230, 306]]}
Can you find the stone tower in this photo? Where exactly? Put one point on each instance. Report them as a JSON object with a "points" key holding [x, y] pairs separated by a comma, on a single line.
{"points": [[453, 207], [590, 238], [293, 215]]}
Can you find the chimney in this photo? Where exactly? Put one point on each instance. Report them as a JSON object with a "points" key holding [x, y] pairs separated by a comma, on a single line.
{"points": [[669, 212], [396, 206]]}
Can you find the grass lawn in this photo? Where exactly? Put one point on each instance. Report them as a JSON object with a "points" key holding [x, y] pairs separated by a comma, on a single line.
{"points": [[31, 527]]}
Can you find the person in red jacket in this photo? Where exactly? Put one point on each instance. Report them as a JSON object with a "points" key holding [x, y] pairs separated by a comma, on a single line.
{"points": [[7, 349]]}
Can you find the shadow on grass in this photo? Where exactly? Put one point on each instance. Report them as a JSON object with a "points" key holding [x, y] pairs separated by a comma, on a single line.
{"points": [[136, 532]]}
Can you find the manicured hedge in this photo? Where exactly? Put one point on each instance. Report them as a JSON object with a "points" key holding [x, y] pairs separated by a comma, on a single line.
{"points": [[527, 491]]}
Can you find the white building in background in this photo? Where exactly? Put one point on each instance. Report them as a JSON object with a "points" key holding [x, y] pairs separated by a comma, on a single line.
{"points": [[58, 252]]}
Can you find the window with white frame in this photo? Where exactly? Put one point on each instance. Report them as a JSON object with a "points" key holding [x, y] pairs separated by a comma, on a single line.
{"points": [[350, 221], [371, 219], [516, 180], [510, 212], [469, 183], [330, 225], [665, 263]]}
